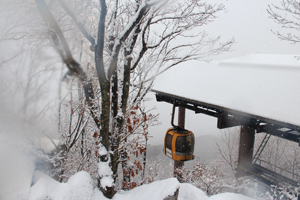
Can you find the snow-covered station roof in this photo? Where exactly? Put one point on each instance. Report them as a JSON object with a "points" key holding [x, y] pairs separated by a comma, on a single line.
{"points": [[261, 87]]}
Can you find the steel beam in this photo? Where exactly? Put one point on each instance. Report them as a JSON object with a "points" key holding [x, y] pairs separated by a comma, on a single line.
{"points": [[278, 131]]}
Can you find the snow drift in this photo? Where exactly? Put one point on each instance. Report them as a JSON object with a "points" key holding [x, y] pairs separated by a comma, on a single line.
{"points": [[80, 186]]}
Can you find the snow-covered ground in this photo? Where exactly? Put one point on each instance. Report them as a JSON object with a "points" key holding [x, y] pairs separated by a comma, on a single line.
{"points": [[20, 181], [80, 187]]}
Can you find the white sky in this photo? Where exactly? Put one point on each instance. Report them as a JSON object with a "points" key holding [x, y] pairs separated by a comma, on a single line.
{"points": [[249, 23]]}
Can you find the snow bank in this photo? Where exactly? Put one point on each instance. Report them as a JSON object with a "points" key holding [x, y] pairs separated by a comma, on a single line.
{"points": [[158, 190], [80, 187], [190, 192], [43, 187], [229, 196]]}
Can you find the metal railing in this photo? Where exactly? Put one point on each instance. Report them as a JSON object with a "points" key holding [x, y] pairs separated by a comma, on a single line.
{"points": [[279, 170]]}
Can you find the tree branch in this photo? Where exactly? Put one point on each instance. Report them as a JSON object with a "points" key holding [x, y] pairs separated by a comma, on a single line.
{"points": [[58, 37], [287, 20], [100, 43], [78, 23], [74, 67], [138, 17]]}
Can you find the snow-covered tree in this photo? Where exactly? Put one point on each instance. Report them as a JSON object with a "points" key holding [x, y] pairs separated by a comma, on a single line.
{"points": [[114, 49], [211, 178]]}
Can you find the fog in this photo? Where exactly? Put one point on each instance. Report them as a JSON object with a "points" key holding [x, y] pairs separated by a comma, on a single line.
{"points": [[28, 101], [249, 23]]}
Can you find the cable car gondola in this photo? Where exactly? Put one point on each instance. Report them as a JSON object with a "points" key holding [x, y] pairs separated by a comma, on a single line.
{"points": [[179, 144]]}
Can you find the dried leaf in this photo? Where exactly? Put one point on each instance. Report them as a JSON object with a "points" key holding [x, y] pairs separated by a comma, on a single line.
{"points": [[95, 135]]}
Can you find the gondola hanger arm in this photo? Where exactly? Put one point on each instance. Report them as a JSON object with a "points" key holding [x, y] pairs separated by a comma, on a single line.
{"points": [[173, 115]]}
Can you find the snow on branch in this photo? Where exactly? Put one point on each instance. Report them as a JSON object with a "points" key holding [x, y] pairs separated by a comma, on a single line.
{"points": [[123, 36], [169, 38], [287, 15]]}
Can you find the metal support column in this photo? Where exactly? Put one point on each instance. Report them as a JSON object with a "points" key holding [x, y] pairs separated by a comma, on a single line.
{"points": [[181, 122], [246, 147]]}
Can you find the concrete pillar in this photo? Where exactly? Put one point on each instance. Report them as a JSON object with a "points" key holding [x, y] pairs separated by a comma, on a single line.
{"points": [[247, 137], [181, 122]]}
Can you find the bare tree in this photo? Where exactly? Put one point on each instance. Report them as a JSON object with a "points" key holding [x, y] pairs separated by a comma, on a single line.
{"points": [[228, 145], [287, 15]]}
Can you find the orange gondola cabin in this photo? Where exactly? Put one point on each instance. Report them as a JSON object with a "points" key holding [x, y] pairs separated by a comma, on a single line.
{"points": [[179, 144]]}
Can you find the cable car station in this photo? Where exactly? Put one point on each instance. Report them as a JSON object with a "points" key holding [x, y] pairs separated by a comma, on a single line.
{"points": [[260, 93]]}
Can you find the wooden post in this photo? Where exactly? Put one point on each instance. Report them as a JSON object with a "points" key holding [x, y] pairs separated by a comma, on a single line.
{"points": [[181, 122], [247, 137]]}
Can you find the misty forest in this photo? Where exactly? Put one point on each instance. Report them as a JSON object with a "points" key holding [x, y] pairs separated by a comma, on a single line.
{"points": [[77, 104]]}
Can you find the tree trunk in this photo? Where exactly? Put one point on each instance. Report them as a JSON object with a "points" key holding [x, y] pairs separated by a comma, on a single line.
{"points": [[115, 132], [125, 94]]}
